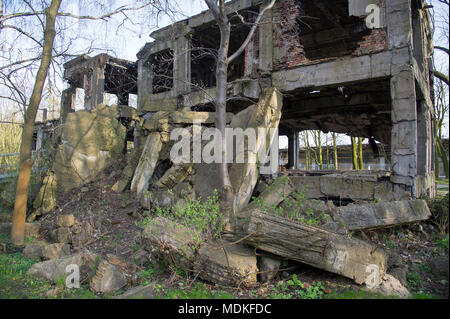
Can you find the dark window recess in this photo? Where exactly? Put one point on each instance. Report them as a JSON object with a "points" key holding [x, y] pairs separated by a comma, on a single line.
{"points": [[161, 64], [326, 30], [205, 43]]}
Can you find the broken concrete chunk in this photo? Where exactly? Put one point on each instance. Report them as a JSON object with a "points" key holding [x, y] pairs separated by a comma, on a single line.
{"points": [[65, 220], [314, 246], [171, 242], [141, 292], [127, 173], [33, 251], [268, 267], [173, 176], [275, 193], [226, 264], [55, 269], [266, 114], [107, 278], [391, 287], [62, 235], [147, 163], [55, 251], [366, 216], [188, 117]]}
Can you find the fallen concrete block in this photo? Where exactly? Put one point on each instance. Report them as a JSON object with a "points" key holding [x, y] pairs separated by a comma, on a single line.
{"points": [[314, 246], [226, 264], [65, 220], [171, 242], [107, 278], [55, 269], [377, 215], [127, 174], [147, 163]]}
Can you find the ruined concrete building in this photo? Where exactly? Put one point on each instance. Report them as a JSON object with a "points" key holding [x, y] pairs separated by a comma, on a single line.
{"points": [[335, 73]]}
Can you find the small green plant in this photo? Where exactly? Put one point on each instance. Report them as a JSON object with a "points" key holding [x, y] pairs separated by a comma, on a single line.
{"points": [[203, 217], [443, 243], [414, 281], [295, 288], [425, 267]]}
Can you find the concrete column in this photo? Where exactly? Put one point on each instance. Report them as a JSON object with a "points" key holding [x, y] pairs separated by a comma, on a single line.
{"points": [[404, 129], [67, 103], [266, 43], [293, 149], [94, 87], [182, 66], [399, 23], [144, 82]]}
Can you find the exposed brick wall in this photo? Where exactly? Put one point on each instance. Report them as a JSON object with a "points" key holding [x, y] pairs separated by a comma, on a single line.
{"points": [[290, 52], [372, 43]]}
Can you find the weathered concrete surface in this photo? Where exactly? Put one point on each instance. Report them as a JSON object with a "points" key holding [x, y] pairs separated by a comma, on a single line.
{"points": [[367, 216], [226, 264], [54, 270], [364, 188], [90, 142], [65, 220], [171, 242], [141, 292], [313, 246], [266, 114], [55, 251], [147, 163], [107, 278], [127, 173], [173, 176]]}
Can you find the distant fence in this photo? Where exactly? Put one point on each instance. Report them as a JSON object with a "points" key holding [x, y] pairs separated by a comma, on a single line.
{"points": [[9, 165]]}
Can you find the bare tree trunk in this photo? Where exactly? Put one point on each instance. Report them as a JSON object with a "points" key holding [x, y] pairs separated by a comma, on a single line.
{"points": [[360, 153], [20, 205], [354, 154], [308, 151], [319, 143], [443, 156], [217, 8], [335, 153]]}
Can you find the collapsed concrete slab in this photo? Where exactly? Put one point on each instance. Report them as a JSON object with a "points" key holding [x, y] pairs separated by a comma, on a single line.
{"points": [[378, 215], [91, 141], [147, 163], [266, 114], [226, 264], [314, 246], [171, 242], [128, 172]]}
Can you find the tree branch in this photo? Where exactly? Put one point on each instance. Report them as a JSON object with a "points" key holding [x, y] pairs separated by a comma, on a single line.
{"points": [[251, 33]]}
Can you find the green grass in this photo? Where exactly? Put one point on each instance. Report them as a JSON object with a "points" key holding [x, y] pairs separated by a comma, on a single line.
{"points": [[356, 294], [16, 284], [296, 289], [199, 291], [442, 181]]}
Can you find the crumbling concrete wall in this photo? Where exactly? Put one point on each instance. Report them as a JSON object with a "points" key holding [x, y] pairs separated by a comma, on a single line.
{"points": [[90, 141]]}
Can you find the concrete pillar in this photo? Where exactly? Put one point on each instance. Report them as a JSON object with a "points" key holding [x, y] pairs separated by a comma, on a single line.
{"points": [[293, 149], [94, 87], [144, 81], [182, 65], [67, 103], [404, 129], [266, 43]]}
